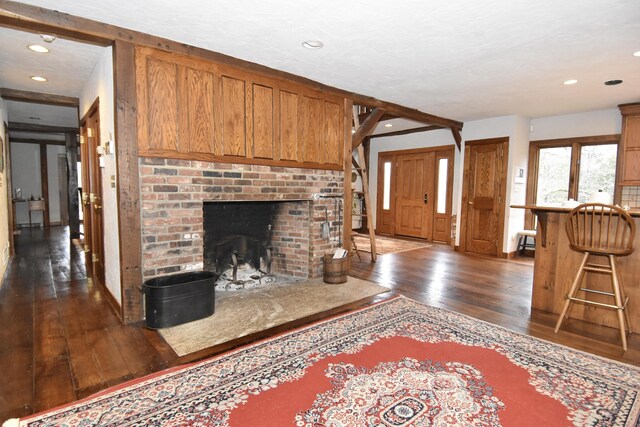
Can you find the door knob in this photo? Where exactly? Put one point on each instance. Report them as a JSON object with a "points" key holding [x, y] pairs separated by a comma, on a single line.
{"points": [[426, 198]]}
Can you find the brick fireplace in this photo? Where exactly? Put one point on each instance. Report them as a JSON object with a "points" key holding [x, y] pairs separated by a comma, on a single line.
{"points": [[173, 193]]}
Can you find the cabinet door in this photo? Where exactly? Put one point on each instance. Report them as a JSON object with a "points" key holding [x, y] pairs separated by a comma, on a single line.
{"points": [[631, 149], [157, 104]]}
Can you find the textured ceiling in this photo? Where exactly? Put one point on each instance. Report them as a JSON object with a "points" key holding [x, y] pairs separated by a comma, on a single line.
{"points": [[461, 59]]}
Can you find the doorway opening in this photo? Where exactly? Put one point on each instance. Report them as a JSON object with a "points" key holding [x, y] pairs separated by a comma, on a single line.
{"points": [[415, 193]]}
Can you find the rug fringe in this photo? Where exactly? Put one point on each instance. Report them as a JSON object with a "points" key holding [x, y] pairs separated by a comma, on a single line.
{"points": [[11, 422]]}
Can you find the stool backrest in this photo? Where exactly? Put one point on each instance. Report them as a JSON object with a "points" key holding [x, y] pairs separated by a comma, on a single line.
{"points": [[601, 229]]}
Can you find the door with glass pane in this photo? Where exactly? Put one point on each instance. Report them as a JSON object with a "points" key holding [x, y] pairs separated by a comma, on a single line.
{"points": [[571, 168]]}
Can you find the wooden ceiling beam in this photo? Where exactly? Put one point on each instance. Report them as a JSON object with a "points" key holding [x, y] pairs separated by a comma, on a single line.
{"points": [[29, 127], [37, 141], [39, 98], [406, 113], [385, 117], [457, 137], [408, 131], [32, 18], [365, 129]]}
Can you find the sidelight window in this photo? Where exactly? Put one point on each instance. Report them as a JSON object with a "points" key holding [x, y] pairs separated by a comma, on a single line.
{"points": [[441, 206], [386, 197]]}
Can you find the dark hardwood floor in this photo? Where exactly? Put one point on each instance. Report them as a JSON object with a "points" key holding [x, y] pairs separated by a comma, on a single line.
{"points": [[60, 341]]}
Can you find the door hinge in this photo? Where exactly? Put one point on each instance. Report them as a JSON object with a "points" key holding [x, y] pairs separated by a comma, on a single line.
{"points": [[87, 248], [94, 258], [82, 140], [90, 132]]}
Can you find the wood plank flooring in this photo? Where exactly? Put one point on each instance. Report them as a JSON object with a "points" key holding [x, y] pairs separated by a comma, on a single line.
{"points": [[60, 341]]}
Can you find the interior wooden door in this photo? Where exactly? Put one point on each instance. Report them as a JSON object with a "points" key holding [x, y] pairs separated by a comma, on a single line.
{"points": [[84, 200], [92, 194], [484, 186], [415, 195], [385, 209], [95, 197]]}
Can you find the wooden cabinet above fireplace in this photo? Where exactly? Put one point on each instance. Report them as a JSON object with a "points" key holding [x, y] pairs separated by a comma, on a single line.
{"points": [[189, 108]]}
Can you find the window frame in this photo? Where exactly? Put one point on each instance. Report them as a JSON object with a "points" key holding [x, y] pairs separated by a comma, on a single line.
{"points": [[576, 145]]}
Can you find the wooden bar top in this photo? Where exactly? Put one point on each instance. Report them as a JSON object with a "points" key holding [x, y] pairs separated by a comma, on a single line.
{"points": [[556, 265], [635, 212]]}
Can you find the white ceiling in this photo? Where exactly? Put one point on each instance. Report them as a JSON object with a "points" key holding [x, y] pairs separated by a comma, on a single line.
{"points": [[461, 59], [50, 115]]}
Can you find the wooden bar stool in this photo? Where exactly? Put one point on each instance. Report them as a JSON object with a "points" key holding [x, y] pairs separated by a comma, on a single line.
{"points": [[603, 230], [523, 240]]}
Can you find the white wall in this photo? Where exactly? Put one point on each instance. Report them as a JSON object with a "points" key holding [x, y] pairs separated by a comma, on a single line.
{"points": [[25, 174], [53, 181], [601, 122], [5, 203], [100, 85]]}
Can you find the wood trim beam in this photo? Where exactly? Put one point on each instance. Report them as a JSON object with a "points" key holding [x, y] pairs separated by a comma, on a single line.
{"points": [[29, 127], [44, 178], [408, 131], [24, 16], [366, 127], [457, 137], [363, 117], [37, 141], [405, 112], [72, 185], [128, 187], [39, 98]]}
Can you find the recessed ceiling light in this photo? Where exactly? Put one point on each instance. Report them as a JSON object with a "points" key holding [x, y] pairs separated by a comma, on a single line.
{"points": [[312, 44], [612, 82], [47, 38], [38, 78], [636, 53], [38, 48], [570, 82], [388, 125]]}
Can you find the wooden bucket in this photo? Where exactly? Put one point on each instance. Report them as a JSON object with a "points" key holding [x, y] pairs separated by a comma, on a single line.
{"points": [[335, 269]]}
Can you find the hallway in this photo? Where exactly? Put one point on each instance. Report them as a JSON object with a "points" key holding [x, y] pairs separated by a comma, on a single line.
{"points": [[60, 340]]}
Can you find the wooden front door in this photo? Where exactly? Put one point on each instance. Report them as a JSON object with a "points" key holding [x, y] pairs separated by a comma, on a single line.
{"points": [[484, 195], [92, 194], [415, 195]]}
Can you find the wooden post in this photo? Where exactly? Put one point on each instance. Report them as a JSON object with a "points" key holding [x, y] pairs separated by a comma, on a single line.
{"points": [[126, 145], [71, 143]]}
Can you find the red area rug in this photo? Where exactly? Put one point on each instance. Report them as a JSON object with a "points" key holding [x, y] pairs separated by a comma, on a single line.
{"points": [[397, 363]]}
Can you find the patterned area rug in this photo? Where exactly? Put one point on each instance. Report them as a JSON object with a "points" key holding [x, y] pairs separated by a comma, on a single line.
{"points": [[387, 245], [396, 363]]}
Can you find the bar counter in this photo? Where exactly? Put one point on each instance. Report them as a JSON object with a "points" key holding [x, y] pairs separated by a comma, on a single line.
{"points": [[556, 265]]}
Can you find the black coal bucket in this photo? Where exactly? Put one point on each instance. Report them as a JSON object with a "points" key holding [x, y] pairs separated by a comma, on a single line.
{"points": [[179, 298]]}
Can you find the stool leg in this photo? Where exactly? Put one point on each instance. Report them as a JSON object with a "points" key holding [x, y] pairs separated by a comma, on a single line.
{"points": [[572, 291], [520, 249], [616, 291], [355, 247]]}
